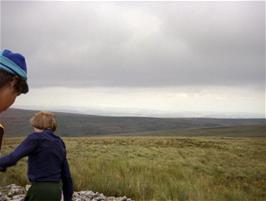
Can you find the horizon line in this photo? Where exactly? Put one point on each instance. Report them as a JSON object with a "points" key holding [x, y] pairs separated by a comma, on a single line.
{"points": [[112, 114]]}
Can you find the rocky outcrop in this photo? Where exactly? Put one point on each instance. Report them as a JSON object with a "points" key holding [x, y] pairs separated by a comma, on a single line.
{"points": [[12, 192], [17, 193]]}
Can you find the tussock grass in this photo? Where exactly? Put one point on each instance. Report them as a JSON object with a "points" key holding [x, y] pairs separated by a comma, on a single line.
{"points": [[163, 168]]}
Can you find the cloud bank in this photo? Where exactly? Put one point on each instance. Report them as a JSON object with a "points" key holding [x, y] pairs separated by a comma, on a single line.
{"points": [[174, 46]]}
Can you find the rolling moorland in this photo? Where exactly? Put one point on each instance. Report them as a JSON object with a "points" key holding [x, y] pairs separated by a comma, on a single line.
{"points": [[158, 168], [155, 159], [16, 122]]}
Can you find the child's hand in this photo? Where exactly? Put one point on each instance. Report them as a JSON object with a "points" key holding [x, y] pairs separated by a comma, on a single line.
{"points": [[2, 169]]}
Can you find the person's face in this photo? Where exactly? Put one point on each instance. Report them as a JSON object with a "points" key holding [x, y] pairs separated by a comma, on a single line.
{"points": [[8, 96]]}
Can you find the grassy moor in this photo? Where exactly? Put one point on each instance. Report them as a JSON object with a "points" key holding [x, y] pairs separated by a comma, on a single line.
{"points": [[151, 168]]}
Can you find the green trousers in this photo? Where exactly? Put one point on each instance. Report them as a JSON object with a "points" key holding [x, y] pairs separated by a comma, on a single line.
{"points": [[44, 191]]}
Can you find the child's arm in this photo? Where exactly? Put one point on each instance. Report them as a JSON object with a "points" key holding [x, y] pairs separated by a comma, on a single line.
{"points": [[67, 181], [24, 149]]}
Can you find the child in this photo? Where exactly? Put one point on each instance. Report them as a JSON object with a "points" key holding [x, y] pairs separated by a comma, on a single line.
{"points": [[47, 162], [13, 78]]}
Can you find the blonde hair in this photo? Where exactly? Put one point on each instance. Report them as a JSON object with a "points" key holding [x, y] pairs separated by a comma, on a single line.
{"points": [[44, 120]]}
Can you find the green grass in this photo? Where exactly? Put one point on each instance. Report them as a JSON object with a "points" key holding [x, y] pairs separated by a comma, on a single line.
{"points": [[163, 168]]}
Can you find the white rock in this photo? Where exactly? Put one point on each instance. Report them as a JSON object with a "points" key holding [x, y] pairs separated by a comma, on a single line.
{"points": [[17, 193]]}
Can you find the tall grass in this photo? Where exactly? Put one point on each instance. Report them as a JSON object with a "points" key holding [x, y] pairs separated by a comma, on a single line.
{"points": [[163, 168]]}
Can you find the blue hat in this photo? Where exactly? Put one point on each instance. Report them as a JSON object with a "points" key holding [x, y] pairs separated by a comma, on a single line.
{"points": [[14, 63]]}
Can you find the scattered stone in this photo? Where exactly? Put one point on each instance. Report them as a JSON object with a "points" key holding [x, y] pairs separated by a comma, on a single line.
{"points": [[15, 190], [17, 193], [3, 197]]}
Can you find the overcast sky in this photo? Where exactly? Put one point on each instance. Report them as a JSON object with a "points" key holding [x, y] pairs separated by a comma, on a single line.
{"points": [[141, 58]]}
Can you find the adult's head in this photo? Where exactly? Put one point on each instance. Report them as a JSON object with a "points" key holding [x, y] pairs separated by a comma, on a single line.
{"points": [[13, 78]]}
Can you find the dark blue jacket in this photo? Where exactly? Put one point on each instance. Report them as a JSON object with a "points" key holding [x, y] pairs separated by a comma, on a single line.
{"points": [[46, 160]]}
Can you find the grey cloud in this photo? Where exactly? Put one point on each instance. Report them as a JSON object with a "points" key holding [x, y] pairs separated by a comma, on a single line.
{"points": [[138, 43]]}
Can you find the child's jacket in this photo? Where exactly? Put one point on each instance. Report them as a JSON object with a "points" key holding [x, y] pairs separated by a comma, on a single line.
{"points": [[46, 160]]}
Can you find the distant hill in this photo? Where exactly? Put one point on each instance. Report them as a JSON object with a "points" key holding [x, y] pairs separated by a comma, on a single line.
{"points": [[16, 122]]}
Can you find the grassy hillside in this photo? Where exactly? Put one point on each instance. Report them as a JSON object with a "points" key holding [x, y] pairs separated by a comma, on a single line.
{"points": [[17, 124], [163, 168], [226, 131]]}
